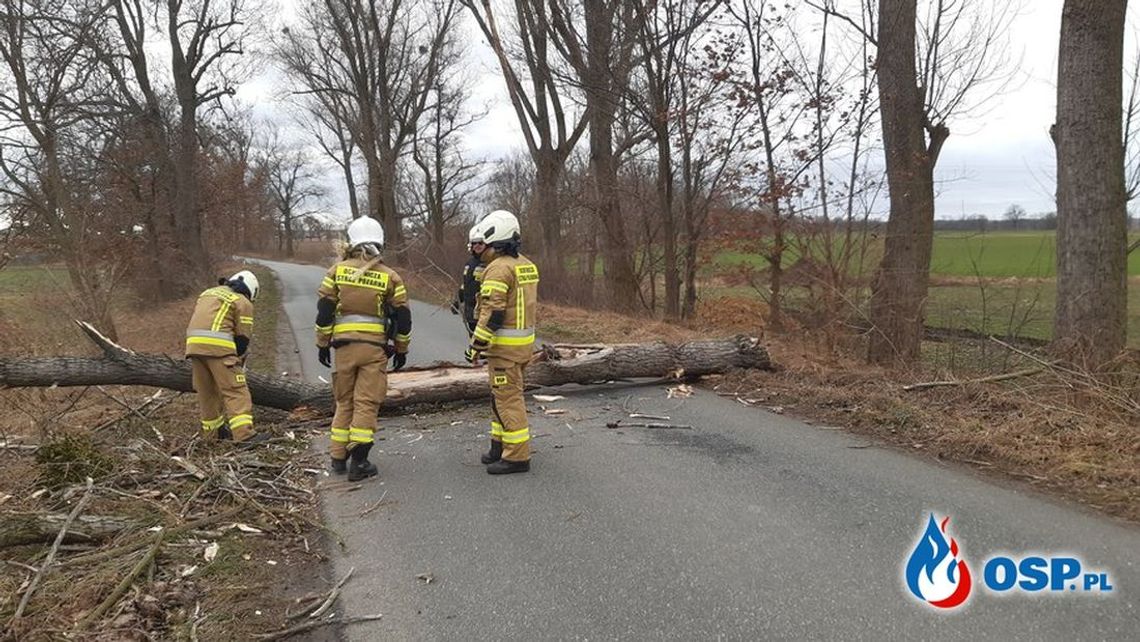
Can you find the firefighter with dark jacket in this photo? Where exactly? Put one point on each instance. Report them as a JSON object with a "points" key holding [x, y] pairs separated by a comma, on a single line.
{"points": [[360, 299], [217, 340], [467, 296], [504, 336]]}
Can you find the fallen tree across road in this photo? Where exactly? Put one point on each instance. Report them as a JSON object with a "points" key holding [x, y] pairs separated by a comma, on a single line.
{"points": [[552, 365]]}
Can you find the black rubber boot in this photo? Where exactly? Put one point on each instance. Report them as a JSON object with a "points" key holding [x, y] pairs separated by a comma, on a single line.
{"points": [[256, 438], [358, 466], [493, 455], [339, 466], [224, 433], [505, 467]]}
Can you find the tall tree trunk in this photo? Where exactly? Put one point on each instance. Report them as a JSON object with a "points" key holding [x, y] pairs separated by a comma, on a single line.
{"points": [[187, 216], [898, 294], [386, 210], [287, 224], [601, 104], [668, 221], [349, 179], [544, 205], [1092, 292]]}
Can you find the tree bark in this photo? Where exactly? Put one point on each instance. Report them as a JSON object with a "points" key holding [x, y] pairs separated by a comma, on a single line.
{"points": [[1090, 319], [597, 79], [898, 294], [20, 529], [554, 365], [548, 165]]}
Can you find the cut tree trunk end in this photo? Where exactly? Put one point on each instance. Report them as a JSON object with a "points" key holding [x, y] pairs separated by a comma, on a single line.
{"points": [[553, 365]]}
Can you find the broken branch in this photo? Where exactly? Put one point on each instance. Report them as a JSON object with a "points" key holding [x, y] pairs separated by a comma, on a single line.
{"points": [[309, 626], [54, 549], [964, 382]]}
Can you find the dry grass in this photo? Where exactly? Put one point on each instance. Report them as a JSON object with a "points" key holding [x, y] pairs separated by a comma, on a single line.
{"points": [[575, 325], [83, 431], [234, 595]]}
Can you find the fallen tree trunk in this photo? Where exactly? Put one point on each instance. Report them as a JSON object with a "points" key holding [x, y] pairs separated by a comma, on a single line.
{"points": [[551, 366], [19, 529]]}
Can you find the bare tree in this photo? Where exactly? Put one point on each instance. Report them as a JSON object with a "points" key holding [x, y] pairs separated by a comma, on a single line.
{"points": [[711, 128], [445, 179], [384, 56], [663, 32], [788, 95], [206, 40], [598, 45], [1090, 320], [932, 66], [43, 100], [291, 180], [1015, 214], [528, 61]]}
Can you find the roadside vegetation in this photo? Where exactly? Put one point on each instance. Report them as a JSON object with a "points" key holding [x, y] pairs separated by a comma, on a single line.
{"points": [[232, 523]]}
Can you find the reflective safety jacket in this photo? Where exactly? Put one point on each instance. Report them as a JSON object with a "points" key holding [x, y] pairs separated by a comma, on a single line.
{"points": [[508, 299], [355, 306], [222, 320]]}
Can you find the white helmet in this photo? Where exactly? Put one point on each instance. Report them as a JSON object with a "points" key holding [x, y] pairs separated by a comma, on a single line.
{"points": [[365, 230], [475, 234], [249, 279], [499, 226]]}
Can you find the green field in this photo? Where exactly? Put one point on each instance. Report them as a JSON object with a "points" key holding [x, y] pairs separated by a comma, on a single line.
{"points": [[1016, 295], [993, 254], [1002, 254]]}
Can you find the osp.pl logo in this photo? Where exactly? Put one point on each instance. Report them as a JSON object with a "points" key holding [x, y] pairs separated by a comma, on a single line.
{"points": [[937, 575], [934, 573]]}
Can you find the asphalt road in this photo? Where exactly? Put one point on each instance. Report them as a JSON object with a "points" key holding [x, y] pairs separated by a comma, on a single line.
{"points": [[749, 526]]}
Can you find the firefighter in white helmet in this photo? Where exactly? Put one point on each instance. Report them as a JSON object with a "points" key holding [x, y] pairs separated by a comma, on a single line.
{"points": [[504, 335], [217, 341], [468, 294], [360, 300]]}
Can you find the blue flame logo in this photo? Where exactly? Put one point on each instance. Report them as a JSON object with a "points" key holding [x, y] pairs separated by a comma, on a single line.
{"points": [[935, 573]]}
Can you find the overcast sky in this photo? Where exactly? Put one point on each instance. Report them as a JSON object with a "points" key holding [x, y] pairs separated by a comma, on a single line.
{"points": [[992, 159]]}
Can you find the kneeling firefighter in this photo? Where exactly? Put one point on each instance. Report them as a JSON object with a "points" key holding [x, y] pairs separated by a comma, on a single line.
{"points": [[357, 298], [504, 335], [217, 341]]}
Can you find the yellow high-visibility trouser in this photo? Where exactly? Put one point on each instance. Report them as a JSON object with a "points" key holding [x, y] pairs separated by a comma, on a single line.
{"points": [[510, 423], [360, 384], [220, 384]]}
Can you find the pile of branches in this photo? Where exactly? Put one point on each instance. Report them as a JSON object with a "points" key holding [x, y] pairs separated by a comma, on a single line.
{"points": [[114, 539]]}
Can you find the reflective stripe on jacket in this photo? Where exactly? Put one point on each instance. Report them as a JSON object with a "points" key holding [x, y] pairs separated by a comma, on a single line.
{"points": [[219, 315], [360, 298], [508, 298]]}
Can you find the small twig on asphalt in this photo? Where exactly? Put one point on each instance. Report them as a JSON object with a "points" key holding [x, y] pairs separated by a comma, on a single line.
{"points": [[638, 415], [333, 594], [618, 424], [309, 626], [374, 506], [54, 549]]}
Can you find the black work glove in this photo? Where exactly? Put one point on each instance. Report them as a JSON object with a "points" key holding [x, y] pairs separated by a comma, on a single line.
{"points": [[472, 355], [324, 355], [399, 360]]}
